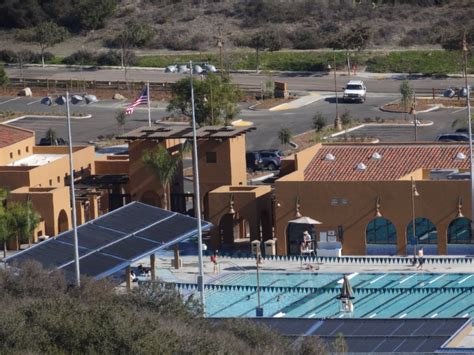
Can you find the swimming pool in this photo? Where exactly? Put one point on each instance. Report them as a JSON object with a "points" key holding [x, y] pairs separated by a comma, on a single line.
{"points": [[313, 295]]}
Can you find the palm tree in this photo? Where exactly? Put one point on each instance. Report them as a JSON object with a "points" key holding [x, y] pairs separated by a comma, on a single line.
{"points": [[52, 136], [164, 166]]}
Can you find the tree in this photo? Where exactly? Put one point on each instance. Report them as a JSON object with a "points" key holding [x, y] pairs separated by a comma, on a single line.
{"points": [[51, 136], [4, 228], [269, 39], [319, 121], [346, 118], [285, 135], [3, 77], [121, 119], [164, 166], [406, 92], [357, 37], [24, 220], [133, 35], [45, 35], [91, 14], [215, 99], [339, 345]]}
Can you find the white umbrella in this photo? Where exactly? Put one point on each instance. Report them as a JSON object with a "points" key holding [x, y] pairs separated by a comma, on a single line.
{"points": [[305, 220]]}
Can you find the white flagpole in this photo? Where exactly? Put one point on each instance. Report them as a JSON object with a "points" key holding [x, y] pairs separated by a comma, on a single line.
{"points": [[149, 96]]}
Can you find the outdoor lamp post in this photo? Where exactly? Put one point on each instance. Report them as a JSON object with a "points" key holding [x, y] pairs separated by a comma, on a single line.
{"points": [[61, 100], [413, 112], [259, 309], [414, 193], [197, 195], [337, 120]]}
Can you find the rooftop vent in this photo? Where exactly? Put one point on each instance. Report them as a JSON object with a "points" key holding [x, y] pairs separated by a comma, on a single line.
{"points": [[376, 156], [361, 167], [460, 156], [329, 157]]}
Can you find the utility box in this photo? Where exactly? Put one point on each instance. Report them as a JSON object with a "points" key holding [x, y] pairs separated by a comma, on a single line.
{"points": [[255, 245], [281, 90], [270, 247]]}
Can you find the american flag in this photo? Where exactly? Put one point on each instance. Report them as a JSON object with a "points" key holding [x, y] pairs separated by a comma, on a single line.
{"points": [[140, 100]]}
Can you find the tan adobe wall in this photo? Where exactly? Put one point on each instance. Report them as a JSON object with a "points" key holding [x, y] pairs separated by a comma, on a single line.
{"points": [[112, 164], [438, 201], [16, 151]]}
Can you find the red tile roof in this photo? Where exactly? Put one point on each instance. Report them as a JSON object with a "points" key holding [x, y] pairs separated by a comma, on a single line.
{"points": [[11, 135], [397, 161]]}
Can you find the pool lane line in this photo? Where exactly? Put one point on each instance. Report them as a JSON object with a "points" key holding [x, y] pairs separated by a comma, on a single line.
{"points": [[378, 278], [434, 315], [372, 315], [403, 315], [465, 279], [408, 278], [436, 279], [349, 277]]}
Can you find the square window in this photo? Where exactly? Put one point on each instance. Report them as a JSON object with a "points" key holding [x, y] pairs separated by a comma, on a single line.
{"points": [[211, 157]]}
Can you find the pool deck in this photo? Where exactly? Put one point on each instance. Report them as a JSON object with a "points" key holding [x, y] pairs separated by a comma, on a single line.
{"points": [[189, 270]]}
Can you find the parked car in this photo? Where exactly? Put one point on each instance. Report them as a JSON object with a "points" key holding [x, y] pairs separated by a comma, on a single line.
{"points": [[254, 161], [57, 141], [453, 137], [355, 91], [271, 158]]}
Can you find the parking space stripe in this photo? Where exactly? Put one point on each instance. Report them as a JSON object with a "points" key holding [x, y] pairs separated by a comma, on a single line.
{"points": [[14, 99], [33, 102]]}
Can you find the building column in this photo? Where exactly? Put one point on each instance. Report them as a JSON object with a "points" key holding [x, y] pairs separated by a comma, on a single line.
{"points": [[177, 259], [442, 232], [153, 266]]}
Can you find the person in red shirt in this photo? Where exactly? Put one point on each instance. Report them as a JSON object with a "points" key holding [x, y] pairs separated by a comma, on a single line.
{"points": [[214, 261]]}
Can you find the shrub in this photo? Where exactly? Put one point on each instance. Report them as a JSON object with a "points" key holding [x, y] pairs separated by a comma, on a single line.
{"points": [[319, 122], [109, 58], [81, 57], [346, 118], [7, 56], [3, 77]]}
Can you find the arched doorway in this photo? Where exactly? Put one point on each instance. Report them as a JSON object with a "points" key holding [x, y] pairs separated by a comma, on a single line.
{"points": [[151, 198], [63, 222], [460, 238], [381, 237], [426, 236]]}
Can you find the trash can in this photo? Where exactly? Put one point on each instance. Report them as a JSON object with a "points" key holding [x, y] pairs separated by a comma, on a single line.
{"points": [[270, 247], [255, 244]]}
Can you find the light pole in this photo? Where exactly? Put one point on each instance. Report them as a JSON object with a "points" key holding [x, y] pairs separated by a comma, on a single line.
{"points": [[469, 120], [414, 193], [413, 112], [197, 195], [259, 310], [60, 101], [337, 121]]}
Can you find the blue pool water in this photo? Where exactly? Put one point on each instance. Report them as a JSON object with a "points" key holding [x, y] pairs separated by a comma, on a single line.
{"points": [[312, 295]]}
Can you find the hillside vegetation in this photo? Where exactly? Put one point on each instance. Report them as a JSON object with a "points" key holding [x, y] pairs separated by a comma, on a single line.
{"points": [[297, 24]]}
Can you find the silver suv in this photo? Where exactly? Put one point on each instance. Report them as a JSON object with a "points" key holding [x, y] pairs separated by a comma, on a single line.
{"points": [[355, 91]]}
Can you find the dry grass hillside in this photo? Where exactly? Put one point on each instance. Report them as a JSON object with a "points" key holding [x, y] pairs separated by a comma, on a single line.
{"points": [[197, 25]]}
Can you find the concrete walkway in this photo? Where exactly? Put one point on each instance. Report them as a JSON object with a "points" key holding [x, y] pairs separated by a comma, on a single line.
{"points": [[299, 102]]}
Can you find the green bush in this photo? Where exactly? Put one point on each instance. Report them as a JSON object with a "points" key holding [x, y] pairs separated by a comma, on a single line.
{"points": [[81, 57], [319, 122], [3, 77]]}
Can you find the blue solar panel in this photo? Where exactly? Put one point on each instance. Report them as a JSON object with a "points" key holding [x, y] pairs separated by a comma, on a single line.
{"points": [[109, 242]]}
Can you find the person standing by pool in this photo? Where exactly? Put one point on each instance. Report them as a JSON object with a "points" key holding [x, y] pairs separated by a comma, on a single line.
{"points": [[214, 261], [420, 259]]}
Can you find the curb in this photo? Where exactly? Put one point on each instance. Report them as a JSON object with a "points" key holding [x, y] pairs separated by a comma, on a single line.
{"points": [[45, 116], [432, 108], [427, 124]]}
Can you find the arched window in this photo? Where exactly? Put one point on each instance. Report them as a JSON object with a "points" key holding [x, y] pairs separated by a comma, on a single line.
{"points": [[425, 231], [381, 231], [459, 231]]}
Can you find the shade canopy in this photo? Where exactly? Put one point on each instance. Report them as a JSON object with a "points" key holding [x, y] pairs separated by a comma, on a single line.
{"points": [[305, 220]]}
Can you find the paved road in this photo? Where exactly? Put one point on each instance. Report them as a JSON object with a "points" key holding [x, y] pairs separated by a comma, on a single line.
{"points": [[268, 123], [296, 81]]}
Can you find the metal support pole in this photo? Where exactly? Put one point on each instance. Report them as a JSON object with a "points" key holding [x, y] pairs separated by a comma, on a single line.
{"points": [[197, 205], [73, 194], [148, 102], [259, 310], [469, 120], [336, 121], [413, 218]]}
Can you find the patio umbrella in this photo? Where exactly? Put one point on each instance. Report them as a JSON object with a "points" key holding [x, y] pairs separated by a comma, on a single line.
{"points": [[346, 291], [304, 220]]}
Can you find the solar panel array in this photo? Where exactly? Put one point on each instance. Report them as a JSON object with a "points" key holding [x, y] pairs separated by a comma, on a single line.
{"points": [[113, 241], [374, 335]]}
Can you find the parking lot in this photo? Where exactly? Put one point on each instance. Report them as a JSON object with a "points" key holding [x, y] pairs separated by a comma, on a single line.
{"points": [[268, 123]]}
